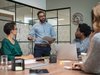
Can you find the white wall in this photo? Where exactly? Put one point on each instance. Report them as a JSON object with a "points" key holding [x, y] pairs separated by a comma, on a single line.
{"points": [[36, 3], [82, 6]]}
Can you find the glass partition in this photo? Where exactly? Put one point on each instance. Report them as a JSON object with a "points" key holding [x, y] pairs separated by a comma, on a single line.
{"points": [[22, 32], [7, 14], [60, 19], [64, 33], [26, 47], [23, 14], [64, 17], [6, 5], [51, 14], [2, 34]]}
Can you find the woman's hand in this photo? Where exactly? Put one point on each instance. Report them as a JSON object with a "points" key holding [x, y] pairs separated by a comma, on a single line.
{"points": [[76, 66]]}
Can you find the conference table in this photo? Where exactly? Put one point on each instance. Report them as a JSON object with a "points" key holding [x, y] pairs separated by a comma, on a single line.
{"points": [[58, 68]]}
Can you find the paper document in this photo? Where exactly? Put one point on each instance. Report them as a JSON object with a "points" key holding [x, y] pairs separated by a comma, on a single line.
{"points": [[47, 38], [68, 67], [37, 65], [30, 61]]}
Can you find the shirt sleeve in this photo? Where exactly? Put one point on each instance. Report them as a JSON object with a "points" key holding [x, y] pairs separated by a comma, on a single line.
{"points": [[32, 31], [84, 46]]}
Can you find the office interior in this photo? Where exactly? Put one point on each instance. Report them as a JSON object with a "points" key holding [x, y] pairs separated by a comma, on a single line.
{"points": [[58, 12]]}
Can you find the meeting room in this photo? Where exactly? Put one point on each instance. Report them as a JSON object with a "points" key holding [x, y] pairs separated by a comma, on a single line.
{"points": [[49, 37]]}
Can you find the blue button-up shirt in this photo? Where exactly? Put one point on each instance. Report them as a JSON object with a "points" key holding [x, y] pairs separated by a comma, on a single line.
{"points": [[40, 30], [82, 45]]}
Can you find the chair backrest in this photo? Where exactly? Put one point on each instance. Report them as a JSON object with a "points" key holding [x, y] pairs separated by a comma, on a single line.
{"points": [[66, 51]]}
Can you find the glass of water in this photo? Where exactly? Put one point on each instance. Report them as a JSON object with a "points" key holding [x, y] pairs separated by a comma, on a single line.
{"points": [[4, 62]]}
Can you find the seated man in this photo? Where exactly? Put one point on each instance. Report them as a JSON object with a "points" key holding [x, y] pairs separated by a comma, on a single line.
{"points": [[82, 37]]}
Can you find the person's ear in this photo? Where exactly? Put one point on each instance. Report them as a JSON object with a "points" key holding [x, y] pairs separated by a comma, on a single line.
{"points": [[82, 33], [11, 31]]}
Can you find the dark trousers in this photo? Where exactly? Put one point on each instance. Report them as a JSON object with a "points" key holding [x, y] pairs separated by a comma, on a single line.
{"points": [[42, 50]]}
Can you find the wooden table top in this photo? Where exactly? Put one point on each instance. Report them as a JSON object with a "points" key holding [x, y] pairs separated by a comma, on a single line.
{"points": [[54, 69]]}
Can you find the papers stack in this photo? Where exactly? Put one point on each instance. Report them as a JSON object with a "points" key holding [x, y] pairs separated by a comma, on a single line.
{"points": [[48, 39]]}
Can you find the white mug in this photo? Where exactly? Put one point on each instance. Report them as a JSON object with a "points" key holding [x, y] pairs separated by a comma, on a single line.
{"points": [[83, 56]]}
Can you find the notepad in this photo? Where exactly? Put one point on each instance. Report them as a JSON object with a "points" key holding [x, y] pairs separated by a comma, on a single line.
{"points": [[30, 61]]}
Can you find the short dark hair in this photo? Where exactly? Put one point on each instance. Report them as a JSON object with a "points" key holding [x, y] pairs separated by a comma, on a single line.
{"points": [[85, 29], [40, 12], [8, 27]]}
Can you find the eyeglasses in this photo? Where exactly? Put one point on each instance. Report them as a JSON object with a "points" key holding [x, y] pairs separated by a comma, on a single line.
{"points": [[15, 28]]}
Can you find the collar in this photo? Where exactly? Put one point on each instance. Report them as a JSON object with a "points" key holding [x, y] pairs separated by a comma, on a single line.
{"points": [[43, 23]]}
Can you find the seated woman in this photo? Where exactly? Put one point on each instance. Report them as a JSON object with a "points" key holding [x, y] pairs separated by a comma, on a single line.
{"points": [[10, 46], [92, 61]]}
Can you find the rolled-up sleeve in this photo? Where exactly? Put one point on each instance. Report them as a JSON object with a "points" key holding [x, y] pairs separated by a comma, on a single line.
{"points": [[32, 31]]}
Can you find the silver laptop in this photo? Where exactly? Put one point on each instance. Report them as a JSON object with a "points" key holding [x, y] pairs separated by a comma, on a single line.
{"points": [[66, 51]]}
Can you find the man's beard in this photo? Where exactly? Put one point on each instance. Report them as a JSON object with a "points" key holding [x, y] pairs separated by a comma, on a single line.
{"points": [[42, 21], [77, 37]]}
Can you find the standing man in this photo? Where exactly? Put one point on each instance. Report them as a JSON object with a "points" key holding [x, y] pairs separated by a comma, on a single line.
{"points": [[43, 34]]}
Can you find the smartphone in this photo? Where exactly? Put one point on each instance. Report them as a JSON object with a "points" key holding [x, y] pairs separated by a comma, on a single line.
{"points": [[38, 71]]}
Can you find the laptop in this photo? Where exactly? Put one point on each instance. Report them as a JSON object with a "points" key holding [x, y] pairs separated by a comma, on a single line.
{"points": [[66, 51]]}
